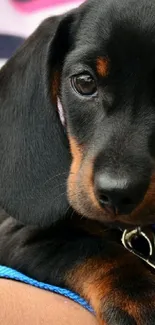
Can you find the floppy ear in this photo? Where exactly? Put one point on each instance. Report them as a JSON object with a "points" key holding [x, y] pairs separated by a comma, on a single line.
{"points": [[34, 153]]}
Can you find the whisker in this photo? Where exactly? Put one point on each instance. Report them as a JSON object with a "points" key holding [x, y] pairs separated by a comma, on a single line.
{"points": [[73, 212], [69, 207], [55, 176], [61, 184], [57, 197]]}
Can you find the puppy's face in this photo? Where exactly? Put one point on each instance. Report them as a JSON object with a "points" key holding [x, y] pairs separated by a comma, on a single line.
{"points": [[108, 97]]}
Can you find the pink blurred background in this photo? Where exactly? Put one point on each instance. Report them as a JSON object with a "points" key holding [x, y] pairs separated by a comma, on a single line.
{"points": [[19, 18]]}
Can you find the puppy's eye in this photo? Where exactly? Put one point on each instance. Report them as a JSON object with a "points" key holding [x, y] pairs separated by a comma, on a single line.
{"points": [[84, 84]]}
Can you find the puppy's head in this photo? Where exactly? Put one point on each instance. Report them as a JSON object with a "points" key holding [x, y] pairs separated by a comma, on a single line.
{"points": [[99, 61], [108, 97]]}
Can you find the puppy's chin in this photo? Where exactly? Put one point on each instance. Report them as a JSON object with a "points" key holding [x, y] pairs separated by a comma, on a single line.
{"points": [[86, 208]]}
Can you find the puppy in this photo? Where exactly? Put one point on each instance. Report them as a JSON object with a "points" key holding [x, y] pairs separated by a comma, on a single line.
{"points": [[77, 155]]}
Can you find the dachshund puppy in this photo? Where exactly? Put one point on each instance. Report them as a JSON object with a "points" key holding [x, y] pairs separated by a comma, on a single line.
{"points": [[77, 155]]}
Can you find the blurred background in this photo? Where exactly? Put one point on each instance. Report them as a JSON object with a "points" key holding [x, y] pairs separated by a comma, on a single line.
{"points": [[19, 18]]}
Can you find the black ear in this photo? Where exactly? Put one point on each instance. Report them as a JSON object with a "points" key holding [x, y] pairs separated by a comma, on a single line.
{"points": [[34, 153]]}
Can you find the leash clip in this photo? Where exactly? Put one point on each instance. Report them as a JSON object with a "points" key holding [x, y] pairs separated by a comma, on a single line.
{"points": [[134, 239]]}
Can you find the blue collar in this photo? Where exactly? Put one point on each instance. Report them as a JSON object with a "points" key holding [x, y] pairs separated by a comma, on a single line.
{"points": [[8, 273]]}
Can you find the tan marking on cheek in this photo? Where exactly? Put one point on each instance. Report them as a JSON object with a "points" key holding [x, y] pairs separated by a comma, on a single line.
{"points": [[102, 66], [75, 166], [76, 154], [80, 180], [88, 183], [55, 86]]}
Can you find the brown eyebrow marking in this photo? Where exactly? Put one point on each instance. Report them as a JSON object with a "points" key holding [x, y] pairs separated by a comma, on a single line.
{"points": [[102, 65]]}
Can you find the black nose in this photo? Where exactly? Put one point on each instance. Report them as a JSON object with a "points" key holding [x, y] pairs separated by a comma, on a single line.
{"points": [[118, 195]]}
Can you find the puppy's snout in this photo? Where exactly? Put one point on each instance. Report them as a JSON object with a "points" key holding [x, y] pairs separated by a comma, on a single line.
{"points": [[119, 192]]}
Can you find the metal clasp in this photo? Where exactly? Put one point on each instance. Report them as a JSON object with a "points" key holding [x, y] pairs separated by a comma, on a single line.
{"points": [[130, 238]]}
